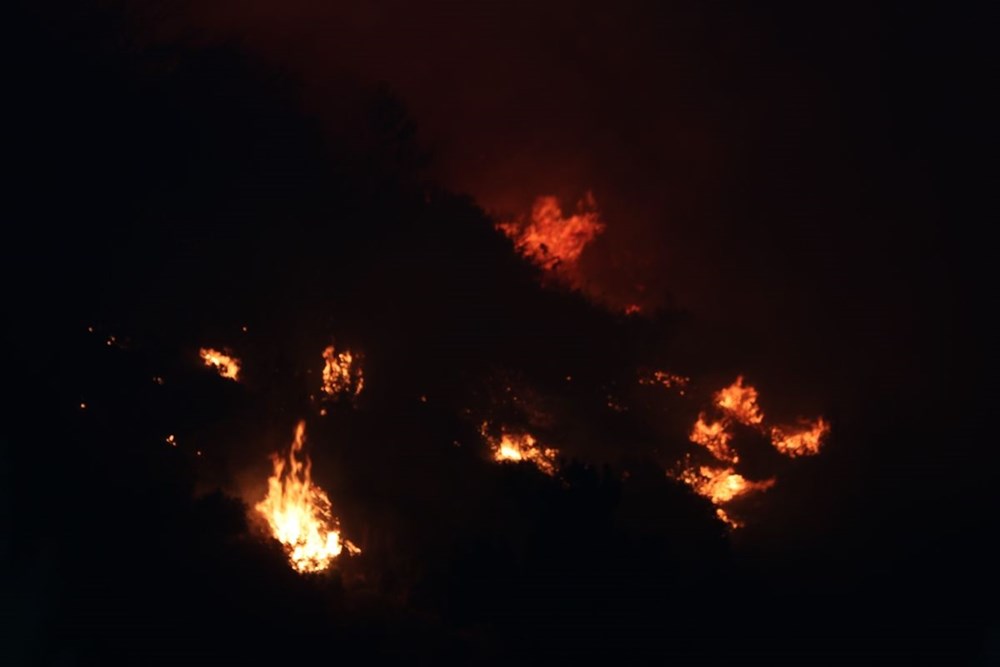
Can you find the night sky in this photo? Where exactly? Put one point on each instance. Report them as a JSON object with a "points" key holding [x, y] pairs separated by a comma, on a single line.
{"points": [[791, 192]]}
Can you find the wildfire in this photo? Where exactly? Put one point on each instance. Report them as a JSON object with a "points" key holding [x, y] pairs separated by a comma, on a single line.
{"points": [[715, 437], [340, 373], [720, 485], [806, 440], [740, 402], [522, 447], [227, 365], [550, 239], [299, 512]]}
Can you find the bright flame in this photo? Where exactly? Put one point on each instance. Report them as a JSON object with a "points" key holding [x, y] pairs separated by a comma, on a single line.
{"points": [[806, 440], [549, 239], [228, 366], [299, 512], [720, 485], [740, 402], [340, 374], [522, 447], [715, 437]]}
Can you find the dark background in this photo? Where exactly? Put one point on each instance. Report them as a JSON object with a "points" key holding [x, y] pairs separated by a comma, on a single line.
{"points": [[792, 193]]}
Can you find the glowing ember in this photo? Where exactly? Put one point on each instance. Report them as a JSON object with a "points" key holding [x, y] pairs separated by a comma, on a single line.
{"points": [[720, 485], [740, 402], [227, 365], [666, 380], [633, 309], [805, 440], [715, 437], [341, 375], [549, 239], [299, 512], [522, 447]]}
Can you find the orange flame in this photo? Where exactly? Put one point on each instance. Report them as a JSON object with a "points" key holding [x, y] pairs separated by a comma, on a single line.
{"points": [[806, 440], [522, 447], [299, 512], [740, 402], [720, 485], [228, 366], [549, 239], [715, 437], [340, 374]]}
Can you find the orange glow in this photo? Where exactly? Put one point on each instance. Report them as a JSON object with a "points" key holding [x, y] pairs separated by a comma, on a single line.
{"points": [[299, 512], [341, 375], [633, 309], [227, 365], [715, 437], [720, 485], [740, 402], [522, 447], [551, 240], [804, 440]]}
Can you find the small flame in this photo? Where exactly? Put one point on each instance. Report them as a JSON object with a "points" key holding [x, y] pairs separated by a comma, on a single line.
{"points": [[522, 447], [726, 519], [804, 440], [740, 402], [633, 309], [340, 373], [227, 365], [299, 512], [715, 437], [554, 241], [720, 485]]}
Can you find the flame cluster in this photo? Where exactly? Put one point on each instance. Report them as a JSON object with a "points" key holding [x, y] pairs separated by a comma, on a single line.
{"points": [[552, 240], [715, 437], [227, 365], [299, 512], [738, 403], [720, 485], [341, 374], [514, 447], [802, 440]]}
